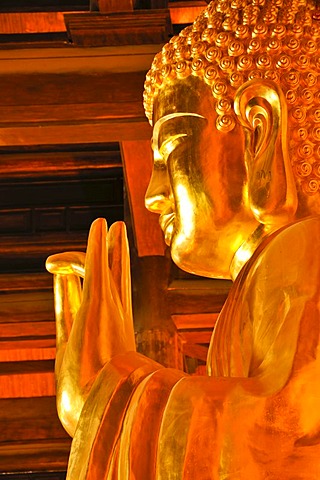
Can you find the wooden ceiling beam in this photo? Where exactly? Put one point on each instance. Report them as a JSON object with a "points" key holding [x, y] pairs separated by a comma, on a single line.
{"points": [[54, 22], [64, 134], [32, 439], [37, 165], [112, 60], [127, 28], [68, 97], [32, 22]]}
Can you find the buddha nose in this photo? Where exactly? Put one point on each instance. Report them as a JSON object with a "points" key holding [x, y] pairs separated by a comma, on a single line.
{"points": [[159, 193]]}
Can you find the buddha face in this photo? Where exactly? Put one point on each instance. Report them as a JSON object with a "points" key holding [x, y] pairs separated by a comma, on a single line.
{"points": [[199, 181]]}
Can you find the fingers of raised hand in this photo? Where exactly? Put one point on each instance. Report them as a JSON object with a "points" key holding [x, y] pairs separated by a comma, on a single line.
{"points": [[119, 264], [105, 266]]}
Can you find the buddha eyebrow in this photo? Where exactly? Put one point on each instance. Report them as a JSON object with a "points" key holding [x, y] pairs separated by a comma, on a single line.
{"points": [[164, 119]]}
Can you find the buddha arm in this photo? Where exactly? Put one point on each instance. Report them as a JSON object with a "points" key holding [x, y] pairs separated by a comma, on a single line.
{"points": [[100, 315]]}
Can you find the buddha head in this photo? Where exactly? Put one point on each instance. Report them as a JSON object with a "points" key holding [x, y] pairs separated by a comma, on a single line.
{"points": [[234, 101]]}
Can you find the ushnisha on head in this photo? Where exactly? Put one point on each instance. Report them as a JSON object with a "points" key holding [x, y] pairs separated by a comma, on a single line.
{"points": [[234, 41]]}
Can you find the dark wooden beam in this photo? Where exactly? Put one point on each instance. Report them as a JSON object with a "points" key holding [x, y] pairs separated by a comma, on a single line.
{"points": [[128, 28], [42, 21], [197, 336], [192, 322], [89, 132], [52, 97], [85, 161], [43, 5], [113, 5], [195, 351], [70, 96], [27, 325], [31, 22], [32, 438], [126, 5]]}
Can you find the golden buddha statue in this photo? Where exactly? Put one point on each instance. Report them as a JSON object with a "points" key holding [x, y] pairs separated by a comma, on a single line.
{"points": [[235, 104]]}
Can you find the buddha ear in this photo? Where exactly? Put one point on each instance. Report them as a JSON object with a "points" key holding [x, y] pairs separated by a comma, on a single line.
{"points": [[262, 110]]}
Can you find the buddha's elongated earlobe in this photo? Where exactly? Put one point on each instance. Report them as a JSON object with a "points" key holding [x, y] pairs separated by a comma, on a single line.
{"points": [[261, 109]]}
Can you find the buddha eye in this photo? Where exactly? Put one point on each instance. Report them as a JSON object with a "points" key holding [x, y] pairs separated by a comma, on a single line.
{"points": [[169, 145], [161, 154]]}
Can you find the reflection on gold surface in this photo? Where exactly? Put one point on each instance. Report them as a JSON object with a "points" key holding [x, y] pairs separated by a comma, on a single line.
{"points": [[235, 104]]}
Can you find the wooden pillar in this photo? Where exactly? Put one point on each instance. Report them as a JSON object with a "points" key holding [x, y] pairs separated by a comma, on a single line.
{"points": [[157, 335]]}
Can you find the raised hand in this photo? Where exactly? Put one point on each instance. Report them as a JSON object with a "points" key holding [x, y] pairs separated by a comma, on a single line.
{"points": [[95, 323]]}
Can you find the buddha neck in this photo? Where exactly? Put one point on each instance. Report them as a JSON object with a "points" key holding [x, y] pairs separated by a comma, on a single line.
{"points": [[247, 248]]}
